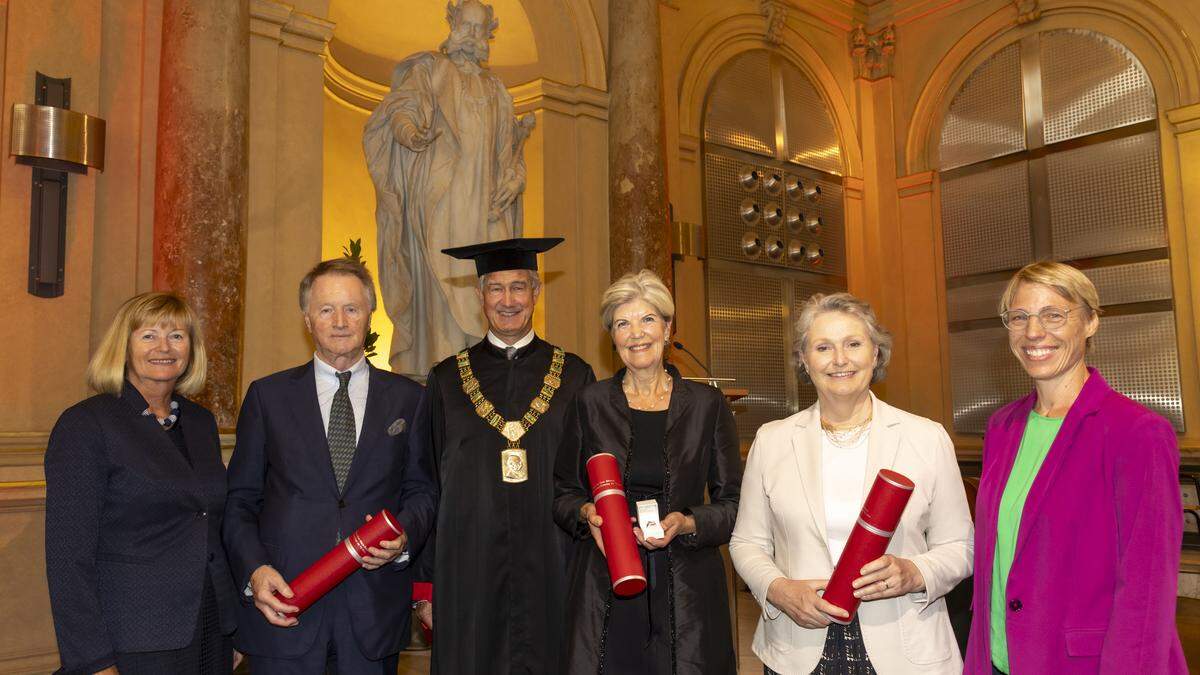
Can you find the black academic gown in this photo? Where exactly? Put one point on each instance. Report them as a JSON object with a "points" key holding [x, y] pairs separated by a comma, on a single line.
{"points": [[500, 561]]}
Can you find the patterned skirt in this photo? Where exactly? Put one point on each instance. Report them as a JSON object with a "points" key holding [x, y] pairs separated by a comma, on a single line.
{"points": [[210, 652], [844, 652]]}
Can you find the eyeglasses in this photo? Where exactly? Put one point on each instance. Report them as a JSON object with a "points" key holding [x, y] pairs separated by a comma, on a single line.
{"points": [[1051, 318]]}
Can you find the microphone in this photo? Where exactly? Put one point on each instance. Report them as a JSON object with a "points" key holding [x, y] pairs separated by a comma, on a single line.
{"points": [[679, 345]]}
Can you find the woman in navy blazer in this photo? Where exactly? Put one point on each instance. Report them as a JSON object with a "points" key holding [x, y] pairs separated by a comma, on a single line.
{"points": [[135, 490]]}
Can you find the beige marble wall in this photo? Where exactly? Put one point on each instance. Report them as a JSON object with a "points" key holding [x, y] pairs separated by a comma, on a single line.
{"points": [[46, 341], [284, 227]]}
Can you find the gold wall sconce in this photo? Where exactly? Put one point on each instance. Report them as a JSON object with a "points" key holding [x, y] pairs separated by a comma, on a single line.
{"points": [[55, 141]]}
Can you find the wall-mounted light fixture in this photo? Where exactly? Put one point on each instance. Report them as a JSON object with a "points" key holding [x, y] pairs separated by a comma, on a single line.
{"points": [[54, 140]]}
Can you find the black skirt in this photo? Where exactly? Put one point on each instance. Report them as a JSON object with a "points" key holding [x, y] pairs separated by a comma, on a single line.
{"points": [[210, 652]]}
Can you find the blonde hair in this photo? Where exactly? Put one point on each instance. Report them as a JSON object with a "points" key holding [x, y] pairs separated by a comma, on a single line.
{"points": [[1073, 285], [106, 370], [821, 303], [644, 285]]}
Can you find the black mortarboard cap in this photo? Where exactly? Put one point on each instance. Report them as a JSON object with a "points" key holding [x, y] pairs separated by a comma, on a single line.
{"points": [[509, 254]]}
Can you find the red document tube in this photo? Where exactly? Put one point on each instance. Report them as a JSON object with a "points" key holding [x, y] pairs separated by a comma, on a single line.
{"points": [[869, 539], [620, 547], [341, 561]]}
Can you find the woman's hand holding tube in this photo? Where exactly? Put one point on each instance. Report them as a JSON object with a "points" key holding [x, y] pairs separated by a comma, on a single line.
{"points": [[888, 577], [800, 601], [587, 513]]}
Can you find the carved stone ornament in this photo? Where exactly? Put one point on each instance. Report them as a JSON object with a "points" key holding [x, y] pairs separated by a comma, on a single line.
{"points": [[775, 12], [873, 53], [1027, 11]]}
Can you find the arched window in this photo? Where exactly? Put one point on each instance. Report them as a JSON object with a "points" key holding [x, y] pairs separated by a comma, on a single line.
{"points": [[1050, 151], [773, 223]]}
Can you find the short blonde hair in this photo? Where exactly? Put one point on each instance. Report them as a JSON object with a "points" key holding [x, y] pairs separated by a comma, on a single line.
{"points": [[1074, 286], [821, 303], [644, 285], [106, 370]]}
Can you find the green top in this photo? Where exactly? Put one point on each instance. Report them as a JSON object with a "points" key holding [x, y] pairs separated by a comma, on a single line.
{"points": [[1035, 445]]}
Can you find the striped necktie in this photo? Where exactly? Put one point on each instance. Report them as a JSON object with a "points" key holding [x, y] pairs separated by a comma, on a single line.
{"points": [[341, 435]]}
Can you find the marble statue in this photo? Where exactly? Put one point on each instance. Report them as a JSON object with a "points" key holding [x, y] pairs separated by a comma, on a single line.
{"points": [[444, 150]]}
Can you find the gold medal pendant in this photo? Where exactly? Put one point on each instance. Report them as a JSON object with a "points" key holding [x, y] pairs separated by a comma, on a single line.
{"points": [[513, 467]]}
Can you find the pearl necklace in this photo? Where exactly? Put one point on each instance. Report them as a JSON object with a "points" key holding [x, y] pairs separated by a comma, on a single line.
{"points": [[848, 435], [631, 393]]}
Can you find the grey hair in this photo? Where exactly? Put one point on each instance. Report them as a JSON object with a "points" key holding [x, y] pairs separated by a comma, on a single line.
{"points": [[644, 285], [534, 279], [453, 12], [822, 303], [345, 266]]}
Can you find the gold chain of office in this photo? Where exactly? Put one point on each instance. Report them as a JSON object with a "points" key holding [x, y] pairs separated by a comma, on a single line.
{"points": [[513, 430]]}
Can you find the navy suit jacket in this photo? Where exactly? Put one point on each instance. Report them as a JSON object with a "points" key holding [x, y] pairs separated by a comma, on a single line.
{"points": [[284, 509], [131, 529]]}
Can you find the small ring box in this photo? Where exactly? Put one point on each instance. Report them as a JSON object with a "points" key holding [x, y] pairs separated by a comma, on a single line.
{"points": [[649, 520]]}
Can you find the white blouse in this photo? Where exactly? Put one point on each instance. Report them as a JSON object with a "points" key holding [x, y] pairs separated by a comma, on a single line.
{"points": [[842, 476]]}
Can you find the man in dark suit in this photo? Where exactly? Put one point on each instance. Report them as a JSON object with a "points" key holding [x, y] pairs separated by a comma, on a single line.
{"points": [[320, 447]]}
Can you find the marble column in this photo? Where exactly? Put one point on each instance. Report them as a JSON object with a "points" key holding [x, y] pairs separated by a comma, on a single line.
{"points": [[639, 226], [200, 194]]}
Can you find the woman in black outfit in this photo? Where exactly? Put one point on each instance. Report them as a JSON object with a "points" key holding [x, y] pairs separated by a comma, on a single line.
{"points": [[135, 489], [673, 439]]}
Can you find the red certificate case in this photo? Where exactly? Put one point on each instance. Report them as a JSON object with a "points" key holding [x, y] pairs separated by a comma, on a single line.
{"points": [[869, 539], [333, 567], [620, 546]]}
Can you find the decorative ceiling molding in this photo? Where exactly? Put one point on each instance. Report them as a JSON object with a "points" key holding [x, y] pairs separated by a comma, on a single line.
{"points": [[350, 88], [573, 101], [540, 94], [873, 53], [281, 22], [1027, 11], [775, 13]]}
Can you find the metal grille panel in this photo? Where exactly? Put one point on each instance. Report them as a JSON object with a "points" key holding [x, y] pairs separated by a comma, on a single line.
{"points": [[985, 119], [1117, 285], [985, 220], [811, 137], [1136, 353], [1137, 282], [728, 229], [740, 112], [984, 375], [1106, 198], [978, 301], [1138, 357], [1091, 83], [747, 341]]}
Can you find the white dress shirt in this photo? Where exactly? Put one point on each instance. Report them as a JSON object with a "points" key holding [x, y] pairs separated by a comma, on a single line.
{"points": [[327, 386], [497, 342], [842, 476]]}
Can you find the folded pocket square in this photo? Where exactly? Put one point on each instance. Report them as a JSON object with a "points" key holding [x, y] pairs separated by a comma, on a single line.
{"points": [[397, 427]]}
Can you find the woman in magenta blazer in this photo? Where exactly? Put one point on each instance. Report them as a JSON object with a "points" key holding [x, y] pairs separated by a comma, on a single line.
{"points": [[1078, 525]]}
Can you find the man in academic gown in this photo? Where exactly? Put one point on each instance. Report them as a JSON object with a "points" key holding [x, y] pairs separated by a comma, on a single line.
{"points": [[500, 561]]}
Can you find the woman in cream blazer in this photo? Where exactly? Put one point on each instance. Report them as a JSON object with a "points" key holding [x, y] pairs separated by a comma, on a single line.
{"points": [[784, 541]]}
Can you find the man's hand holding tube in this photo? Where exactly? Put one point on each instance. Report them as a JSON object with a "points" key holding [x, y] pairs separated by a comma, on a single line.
{"points": [[264, 583], [379, 557]]}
